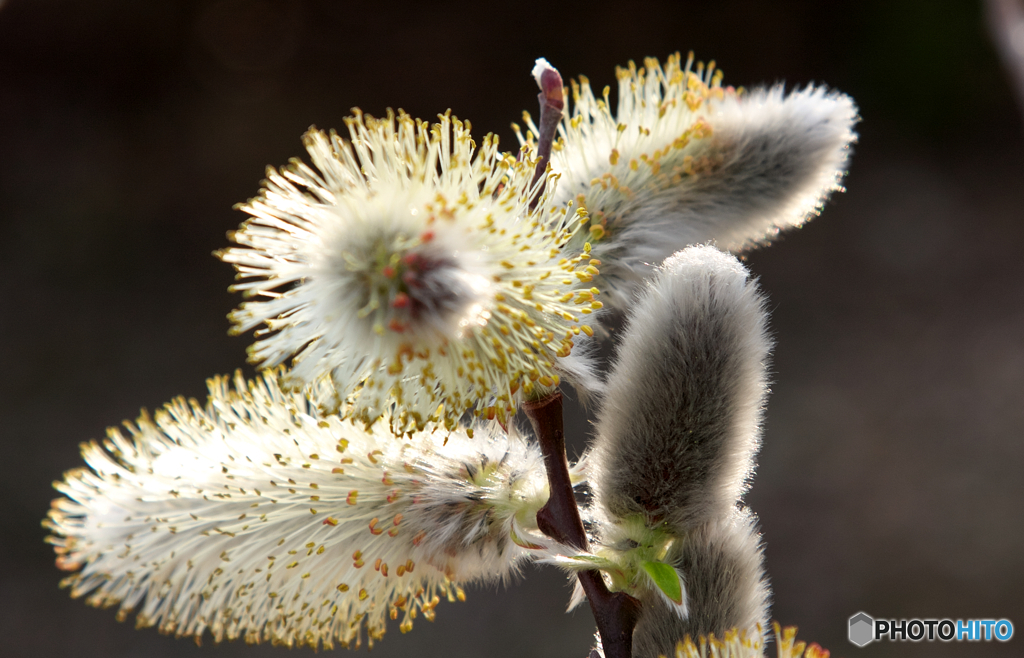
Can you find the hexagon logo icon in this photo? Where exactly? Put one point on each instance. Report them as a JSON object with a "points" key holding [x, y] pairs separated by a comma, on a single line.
{"points": [[862, 629]]}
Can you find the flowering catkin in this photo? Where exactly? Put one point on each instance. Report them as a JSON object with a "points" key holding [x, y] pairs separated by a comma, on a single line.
{"points": [[680, 423], [738, 643], [256, 517], [685, 161], [413, 267]]}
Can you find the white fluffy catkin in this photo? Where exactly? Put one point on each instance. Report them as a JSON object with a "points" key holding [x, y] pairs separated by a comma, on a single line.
{"points": [[257, 517], [680, 423], [684, 160], [773, 160], [721, 562], [422, 271]]}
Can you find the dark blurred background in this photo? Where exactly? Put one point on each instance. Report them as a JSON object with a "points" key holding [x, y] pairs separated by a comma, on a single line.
{"points": [[890, 478]]}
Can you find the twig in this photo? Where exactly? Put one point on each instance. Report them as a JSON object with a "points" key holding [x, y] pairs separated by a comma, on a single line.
{"points": [[615, 613], [552, 102], [560, 517]]}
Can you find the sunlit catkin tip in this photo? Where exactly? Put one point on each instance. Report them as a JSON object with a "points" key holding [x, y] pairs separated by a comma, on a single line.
{"points": [[685, 160], [680, 421], [254, 517], [419, 269]]}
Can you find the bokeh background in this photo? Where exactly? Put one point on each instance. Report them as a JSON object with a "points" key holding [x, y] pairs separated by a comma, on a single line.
{"points": [[891, 475]]}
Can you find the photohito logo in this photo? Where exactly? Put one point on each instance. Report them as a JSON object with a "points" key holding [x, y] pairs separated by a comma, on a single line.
{"points": [[864, 629]]}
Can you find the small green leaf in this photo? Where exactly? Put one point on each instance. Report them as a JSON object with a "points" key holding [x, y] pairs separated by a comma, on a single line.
{"points": [[667, 580]]}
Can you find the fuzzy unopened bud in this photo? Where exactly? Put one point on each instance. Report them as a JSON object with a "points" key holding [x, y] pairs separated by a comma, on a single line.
{"points": [[680, 423], [721, 563]]}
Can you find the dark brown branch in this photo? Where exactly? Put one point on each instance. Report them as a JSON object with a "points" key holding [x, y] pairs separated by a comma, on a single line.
{"points": [[615, 613], [560, 517], [552, 102]]}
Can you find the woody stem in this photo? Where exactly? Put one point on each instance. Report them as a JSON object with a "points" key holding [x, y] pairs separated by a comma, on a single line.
{"points": [[552, 102], [615, 613]]}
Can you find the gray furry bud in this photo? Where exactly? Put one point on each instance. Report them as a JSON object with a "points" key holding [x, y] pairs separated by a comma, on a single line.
{"points": [[721, 563], [682, 410]]}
